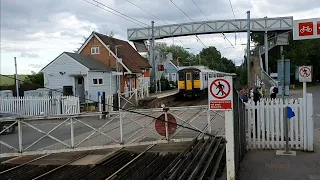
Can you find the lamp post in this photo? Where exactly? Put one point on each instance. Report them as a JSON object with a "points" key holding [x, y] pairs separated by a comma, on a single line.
{"points": [[117, 68]]}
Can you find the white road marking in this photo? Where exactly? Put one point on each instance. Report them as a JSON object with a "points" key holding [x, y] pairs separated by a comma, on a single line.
{"points": [[318, 115], [66, 124]]}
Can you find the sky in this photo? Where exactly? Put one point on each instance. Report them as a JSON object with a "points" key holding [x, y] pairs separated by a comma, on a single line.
{"points": [[37, 31]]}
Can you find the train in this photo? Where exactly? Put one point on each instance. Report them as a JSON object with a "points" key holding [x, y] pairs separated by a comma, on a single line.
{"points": [[193, 80]]}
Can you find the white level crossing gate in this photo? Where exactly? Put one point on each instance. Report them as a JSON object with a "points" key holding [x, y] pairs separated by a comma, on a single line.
{"points": [[55, 134], [265, 127]]}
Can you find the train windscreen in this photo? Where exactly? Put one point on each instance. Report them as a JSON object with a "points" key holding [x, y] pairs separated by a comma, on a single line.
{"points": [[181, 76], [196, 75]]}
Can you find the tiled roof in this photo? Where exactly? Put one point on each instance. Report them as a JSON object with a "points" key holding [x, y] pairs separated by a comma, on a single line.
{"points": [[130, 57], [88, 61]]}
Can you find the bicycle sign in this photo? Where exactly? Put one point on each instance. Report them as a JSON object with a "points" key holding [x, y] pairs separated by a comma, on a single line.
{"points": [[305, 74], [306, 29]]}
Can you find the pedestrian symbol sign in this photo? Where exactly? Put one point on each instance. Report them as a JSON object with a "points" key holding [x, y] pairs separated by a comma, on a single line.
{"points": [[305, 74], [220, 93]]}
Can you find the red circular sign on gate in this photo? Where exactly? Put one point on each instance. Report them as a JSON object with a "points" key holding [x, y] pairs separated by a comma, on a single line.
{"points": [[161, 127]]}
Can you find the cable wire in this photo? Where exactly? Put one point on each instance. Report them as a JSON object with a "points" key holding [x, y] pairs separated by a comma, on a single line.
{"points": [[225, 37], [114, 13], [189, 18], [120, 12], [131, 111]]}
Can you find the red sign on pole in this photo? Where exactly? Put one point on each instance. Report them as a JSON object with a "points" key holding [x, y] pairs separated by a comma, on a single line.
{"points": [[220, 94], [318, 27], [160, 124], [306, 29]]}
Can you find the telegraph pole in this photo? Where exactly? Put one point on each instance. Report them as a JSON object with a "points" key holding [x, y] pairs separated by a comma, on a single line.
{"points": [[248, 48], [16, 76]]}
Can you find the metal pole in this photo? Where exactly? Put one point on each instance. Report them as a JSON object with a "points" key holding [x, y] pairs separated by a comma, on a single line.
{"points": [[230, 157], [209, 121], [20, 136], [152, 55], [266, 47], [248, 48], [118, 69], [72, 132], [165, 110], [120, 118], [16, 76], [286, 130], [283, 71], [305, 113], [117, 83]]}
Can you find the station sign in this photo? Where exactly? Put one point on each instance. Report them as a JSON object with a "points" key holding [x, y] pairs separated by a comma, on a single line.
{"points": [[306, 29], [220, 93]]}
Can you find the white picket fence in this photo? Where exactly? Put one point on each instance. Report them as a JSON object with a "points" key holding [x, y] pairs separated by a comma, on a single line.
{"points": [[36, 106], [268, 131]]}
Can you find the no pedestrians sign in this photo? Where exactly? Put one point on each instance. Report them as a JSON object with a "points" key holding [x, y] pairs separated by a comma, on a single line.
{"points": [[220, 93]]}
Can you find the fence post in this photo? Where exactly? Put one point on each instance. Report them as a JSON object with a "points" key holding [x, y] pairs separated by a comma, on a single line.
{"points": [[20, 136], [72, 132]]}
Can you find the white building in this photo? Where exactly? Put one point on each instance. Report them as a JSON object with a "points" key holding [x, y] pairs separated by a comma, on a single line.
{"points": [[79, 75]]}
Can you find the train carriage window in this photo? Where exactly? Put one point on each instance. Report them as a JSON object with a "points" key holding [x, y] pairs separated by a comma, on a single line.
{"points": [[205, 77], [181, 76], [188, 76], [196, 75], [210, 75]]}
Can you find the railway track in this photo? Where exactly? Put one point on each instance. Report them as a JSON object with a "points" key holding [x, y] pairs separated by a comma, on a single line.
{"points": [[190, 102], [201, 159]]}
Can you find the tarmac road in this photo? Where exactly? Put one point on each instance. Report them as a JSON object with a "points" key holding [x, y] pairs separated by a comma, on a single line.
{"points": [[62, 133]]}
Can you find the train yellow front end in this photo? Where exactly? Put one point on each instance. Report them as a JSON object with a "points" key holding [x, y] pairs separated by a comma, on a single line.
{"points": [[189, 83]]}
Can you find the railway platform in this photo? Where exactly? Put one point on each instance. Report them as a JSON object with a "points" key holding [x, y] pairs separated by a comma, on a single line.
{"points": [[156, 99]]}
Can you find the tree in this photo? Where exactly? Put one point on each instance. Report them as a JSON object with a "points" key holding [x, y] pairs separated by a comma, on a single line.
{"points": [[211, 57], [35, 78], [177, 51]]}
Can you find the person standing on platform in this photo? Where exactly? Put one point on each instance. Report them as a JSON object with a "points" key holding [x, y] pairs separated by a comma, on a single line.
{"points": [[273, 92]]}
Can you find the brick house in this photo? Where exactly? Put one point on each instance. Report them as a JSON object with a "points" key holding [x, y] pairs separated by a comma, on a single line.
{"points": [[133, 67]]}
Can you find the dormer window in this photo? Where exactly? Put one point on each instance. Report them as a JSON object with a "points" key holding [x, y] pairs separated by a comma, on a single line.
{"points": [[95, 50]]}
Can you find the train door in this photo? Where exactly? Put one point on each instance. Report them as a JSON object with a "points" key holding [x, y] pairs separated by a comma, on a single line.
{"points": [[188, 81]]}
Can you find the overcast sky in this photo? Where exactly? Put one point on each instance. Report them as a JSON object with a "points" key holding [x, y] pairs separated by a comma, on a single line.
{"points": [[37, 31]]}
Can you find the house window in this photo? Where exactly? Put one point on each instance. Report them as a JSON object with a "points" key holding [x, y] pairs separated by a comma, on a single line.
{"points": [[97, 81], [95, 50]]}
